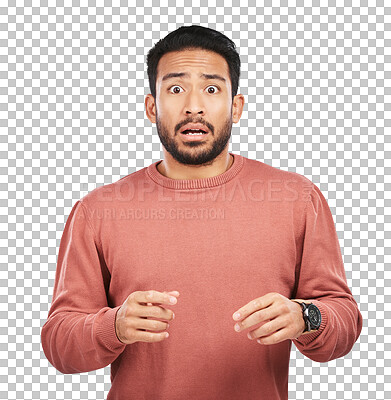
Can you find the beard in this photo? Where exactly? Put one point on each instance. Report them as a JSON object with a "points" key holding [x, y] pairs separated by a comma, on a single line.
{"points": [[197, 152]]}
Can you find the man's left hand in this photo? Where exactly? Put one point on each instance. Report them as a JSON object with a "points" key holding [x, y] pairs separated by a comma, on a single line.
{"points": [[283, 318]]}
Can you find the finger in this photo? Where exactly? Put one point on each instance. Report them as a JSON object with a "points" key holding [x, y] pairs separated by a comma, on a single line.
{"points": [[254, 305], [174, 293], [267, 329], [155, 297], [150, 325], [143, 336], [275, 337], [153, 311], [265, 314]]}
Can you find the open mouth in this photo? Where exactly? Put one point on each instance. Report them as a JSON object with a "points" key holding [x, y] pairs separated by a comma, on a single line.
{"points": [[194, 132]]}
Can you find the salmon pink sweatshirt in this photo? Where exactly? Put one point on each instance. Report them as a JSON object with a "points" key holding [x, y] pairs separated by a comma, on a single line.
{"points": [[221, 242]]}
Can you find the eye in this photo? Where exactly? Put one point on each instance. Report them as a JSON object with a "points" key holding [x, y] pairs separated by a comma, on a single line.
{"points": [[213, 86], [174, 87]]}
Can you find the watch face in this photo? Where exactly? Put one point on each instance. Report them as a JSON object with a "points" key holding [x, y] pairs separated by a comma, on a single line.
{"points": [[314, 316]]}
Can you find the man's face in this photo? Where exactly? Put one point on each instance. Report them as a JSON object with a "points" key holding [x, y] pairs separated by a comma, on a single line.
{"points": [[193, 98]]}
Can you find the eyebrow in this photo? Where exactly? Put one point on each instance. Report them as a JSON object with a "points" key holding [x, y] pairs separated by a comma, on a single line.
{"points": [[185, 74]]}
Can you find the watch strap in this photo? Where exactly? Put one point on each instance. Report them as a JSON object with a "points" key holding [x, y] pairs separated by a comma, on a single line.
{"points": [[304, 307]]}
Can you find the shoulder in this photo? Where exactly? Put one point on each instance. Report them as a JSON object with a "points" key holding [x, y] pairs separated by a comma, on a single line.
{"points": [[279, 178], [122, 190]]}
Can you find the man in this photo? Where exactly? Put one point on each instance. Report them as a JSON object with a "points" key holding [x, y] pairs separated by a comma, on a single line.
{"points": [[245, 255]]}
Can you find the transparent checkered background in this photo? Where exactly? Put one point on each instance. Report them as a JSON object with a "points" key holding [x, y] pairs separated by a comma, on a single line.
{"points": [[316, 79]]}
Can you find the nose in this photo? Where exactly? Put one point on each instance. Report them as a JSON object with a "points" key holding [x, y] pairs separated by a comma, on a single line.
{"points": [[194, 104], [190, 112]]}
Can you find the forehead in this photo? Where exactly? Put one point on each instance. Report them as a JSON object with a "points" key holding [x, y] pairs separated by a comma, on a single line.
{"points": [[192, 62]]}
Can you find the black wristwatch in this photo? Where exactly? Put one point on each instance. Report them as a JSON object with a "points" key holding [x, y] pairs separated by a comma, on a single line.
{"points": [[312, 316]]}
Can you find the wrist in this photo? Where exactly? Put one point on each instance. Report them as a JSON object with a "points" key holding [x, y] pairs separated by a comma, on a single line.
{"points": [[311, 315]]}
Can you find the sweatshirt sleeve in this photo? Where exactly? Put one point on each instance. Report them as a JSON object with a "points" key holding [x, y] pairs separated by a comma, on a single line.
{"points": [[322, 280], [79, 334]]}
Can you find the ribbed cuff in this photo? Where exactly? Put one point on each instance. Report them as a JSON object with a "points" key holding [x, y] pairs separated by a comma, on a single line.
{"points": [[307, 338], [106, 330]]}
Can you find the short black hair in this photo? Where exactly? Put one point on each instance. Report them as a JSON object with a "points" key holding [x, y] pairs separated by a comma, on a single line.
{"points": [[194, 37]]}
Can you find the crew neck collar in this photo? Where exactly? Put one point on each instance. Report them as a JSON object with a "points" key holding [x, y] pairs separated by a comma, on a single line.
{"points": [[199, 183]]}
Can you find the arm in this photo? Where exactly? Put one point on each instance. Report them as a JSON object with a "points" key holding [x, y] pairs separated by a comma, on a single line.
{"points": [[79, 334], [321, 280]]}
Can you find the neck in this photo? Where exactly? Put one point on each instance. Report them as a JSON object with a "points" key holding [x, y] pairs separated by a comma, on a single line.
{"points": [[171, 168]]}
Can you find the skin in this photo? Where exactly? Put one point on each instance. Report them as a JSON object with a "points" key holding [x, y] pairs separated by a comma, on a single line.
{"points": [[181, 100], [136, 321], [283, 318]]}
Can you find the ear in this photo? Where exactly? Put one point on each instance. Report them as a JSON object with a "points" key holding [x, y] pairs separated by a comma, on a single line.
{"points": [[150, 108], [237, 107]]}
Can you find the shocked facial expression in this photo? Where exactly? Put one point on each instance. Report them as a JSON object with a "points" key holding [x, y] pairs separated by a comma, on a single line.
{"points": [[193, 90]]}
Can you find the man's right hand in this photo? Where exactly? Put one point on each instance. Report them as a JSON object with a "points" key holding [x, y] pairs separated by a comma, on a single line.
{"points": [[132, 323]]}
